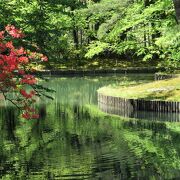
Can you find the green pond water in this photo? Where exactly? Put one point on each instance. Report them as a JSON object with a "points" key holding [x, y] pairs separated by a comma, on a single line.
{"points": [[73, 139]]}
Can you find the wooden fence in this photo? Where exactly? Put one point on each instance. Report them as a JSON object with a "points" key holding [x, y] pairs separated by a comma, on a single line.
{"points": [[139, 108]]}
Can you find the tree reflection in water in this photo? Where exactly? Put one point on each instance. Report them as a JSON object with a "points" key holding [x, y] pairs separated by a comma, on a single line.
{"points": [[75, 140]]}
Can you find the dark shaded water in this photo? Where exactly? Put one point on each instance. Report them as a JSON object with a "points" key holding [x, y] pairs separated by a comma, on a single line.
{"points": [[74, 140]]}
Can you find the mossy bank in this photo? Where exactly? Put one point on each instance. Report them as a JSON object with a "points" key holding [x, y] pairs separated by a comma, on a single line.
{"points": [[164, 90], [159, 96]]}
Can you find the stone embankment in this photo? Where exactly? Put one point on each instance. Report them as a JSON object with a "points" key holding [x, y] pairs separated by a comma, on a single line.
{"points": [[150, 70]]}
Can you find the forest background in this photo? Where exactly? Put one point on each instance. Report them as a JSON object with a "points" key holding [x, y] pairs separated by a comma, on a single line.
{"points": [[88, 34]]}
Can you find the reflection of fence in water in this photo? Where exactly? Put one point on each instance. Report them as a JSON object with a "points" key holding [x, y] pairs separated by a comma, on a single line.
{"points": [[155, 110]]}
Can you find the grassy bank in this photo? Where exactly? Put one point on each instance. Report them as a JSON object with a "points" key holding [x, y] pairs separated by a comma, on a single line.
{"points": [[165, 90], [98, 64]]}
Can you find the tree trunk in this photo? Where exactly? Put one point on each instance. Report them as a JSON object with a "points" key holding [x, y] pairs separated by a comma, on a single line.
{"points": [[177, 9], [76, 38]]}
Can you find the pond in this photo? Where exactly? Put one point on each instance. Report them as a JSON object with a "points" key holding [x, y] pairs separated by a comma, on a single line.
{"points": [[75, 140]]}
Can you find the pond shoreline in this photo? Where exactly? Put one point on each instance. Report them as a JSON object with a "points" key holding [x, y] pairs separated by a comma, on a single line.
{"points": [[156, 96], [160, 76], [148, 70], [130, 105]]}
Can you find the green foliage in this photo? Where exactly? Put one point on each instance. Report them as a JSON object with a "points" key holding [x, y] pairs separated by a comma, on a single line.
{"points": [[70, 30], [140, 31], [96, 48]]}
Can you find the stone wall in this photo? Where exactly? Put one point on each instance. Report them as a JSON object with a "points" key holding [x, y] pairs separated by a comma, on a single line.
{"points": [[99, 71]]}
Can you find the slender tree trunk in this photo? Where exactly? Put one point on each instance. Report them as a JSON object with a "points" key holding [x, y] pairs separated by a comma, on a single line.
{"points": [[177, 9], [145, 38], [75, 37], [81, 37]]}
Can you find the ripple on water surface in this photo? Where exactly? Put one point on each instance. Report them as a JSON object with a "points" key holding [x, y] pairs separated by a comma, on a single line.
{"points": [[75, 140]]}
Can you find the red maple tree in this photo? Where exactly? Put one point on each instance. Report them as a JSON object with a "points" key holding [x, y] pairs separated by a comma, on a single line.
{"points": [[16, 72]]}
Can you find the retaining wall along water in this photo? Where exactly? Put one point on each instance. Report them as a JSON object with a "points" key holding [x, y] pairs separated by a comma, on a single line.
{"points": [[130, 105], [100, 71], [158, 76]]}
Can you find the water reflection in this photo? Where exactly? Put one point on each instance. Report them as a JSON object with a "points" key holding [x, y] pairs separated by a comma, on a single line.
{"points": [[74, 140]]}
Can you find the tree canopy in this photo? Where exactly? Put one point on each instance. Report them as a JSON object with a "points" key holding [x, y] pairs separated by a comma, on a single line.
{"points": [[81, 30]]}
